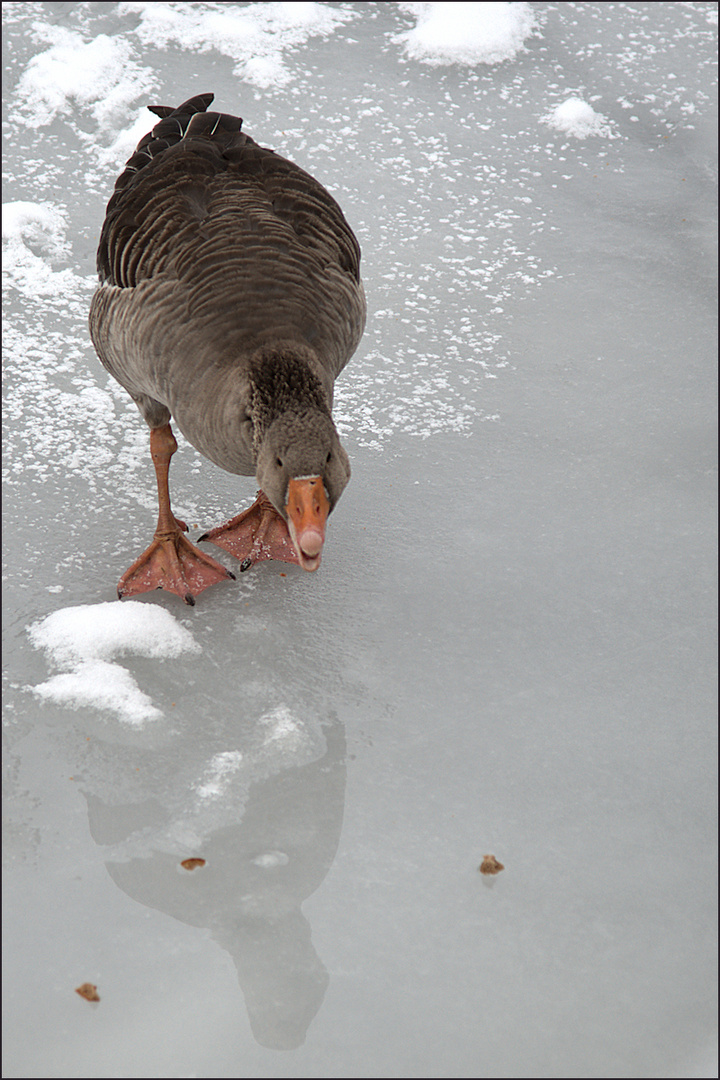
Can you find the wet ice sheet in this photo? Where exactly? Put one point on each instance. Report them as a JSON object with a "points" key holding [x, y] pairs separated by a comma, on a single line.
{"points": [[505, 648]]}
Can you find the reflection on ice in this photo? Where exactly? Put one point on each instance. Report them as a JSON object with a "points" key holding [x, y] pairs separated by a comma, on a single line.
{"points": [[267, 844]]}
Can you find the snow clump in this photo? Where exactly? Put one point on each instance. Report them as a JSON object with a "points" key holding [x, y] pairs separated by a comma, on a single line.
{"points": [[85, 640], [575, 117], [470, 33]]}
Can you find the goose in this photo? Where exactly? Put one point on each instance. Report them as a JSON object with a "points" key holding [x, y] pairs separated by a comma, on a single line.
{"points": [[230, 300]]}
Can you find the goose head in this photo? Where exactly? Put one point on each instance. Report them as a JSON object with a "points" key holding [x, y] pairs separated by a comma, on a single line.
{"points": [[303, 469]]}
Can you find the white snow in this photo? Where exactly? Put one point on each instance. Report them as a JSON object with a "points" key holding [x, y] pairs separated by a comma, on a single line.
{"points": [[112, 156], [39, 223], [575, 117], [104, 77], [33, 237], [84, 641], [255, 36], [270, 859], [101, 75], [99, 685], [218, 774], [284, 728], [467, 33]]}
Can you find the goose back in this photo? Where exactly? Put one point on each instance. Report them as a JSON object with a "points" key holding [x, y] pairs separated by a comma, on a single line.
{"points": [[213, 248]]}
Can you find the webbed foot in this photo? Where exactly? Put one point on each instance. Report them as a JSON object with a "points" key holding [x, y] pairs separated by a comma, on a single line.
{"points": [[174, 564], [257, 533]]}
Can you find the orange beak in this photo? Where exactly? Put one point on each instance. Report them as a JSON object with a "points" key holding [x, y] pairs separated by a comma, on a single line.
{"points": [[307, 511]]}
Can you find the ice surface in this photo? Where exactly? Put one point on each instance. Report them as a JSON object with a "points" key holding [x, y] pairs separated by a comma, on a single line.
{"points": [[284, 730], [509, 646], [39, 222]]}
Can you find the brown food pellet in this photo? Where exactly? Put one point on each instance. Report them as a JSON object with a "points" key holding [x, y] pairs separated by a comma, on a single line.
{"points": [[88, 991], [192, 864], [490, 865]]}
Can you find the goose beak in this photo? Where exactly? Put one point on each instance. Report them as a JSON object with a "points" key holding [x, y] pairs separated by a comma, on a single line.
{"points": [[307, 510]]}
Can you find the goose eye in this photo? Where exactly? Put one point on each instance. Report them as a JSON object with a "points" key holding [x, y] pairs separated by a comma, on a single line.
{"points": [[327, 459], [278, 461]]}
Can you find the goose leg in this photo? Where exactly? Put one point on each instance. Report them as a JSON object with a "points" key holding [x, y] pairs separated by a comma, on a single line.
{"points": [[256, 534], [171, 562]]}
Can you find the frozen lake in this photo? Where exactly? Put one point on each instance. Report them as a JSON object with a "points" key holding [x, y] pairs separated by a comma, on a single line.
{"points": [[510, 646]]}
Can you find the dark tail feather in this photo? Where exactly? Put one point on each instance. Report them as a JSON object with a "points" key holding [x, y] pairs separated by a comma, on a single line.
{"points": [[172, 128], [197, 104]]}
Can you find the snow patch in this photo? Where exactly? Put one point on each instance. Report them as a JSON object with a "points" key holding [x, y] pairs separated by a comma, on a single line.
{"points": [[469, 33], [42, 224], [575, 117], [285, 730], [100, 74], [99, 685], [84, 640], [34, 237], [270, 859], [218, 774], [255, 36]]}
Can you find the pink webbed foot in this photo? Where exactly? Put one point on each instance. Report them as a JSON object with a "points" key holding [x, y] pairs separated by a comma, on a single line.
{"points": [[174, 564], [256, 534]]}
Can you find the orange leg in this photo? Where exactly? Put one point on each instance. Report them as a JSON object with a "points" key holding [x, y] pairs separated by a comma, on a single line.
{"points": [[256, 534], [171, 562]]}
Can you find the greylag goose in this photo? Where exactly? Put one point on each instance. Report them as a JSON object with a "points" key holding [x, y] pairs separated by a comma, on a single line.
{"points": [[230, 300]]}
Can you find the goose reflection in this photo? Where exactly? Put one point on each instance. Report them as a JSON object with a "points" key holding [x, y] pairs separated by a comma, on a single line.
{"points": [[268, 844]]}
